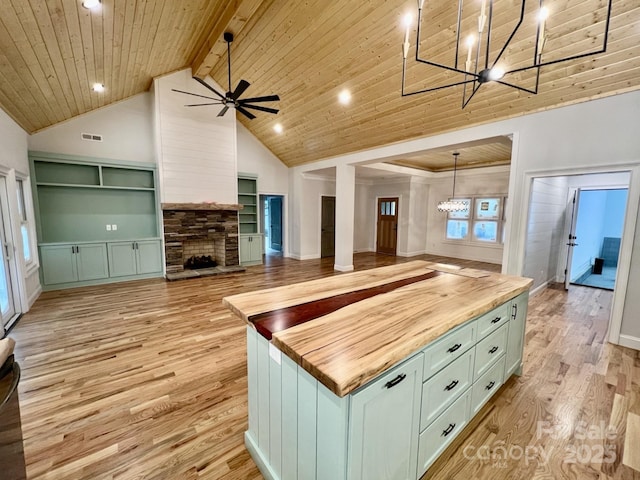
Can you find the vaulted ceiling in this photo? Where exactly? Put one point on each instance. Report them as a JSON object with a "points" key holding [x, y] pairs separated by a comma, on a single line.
{"points": [[307, 51]]}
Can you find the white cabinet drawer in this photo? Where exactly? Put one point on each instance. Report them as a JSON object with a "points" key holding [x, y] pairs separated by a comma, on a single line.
{"points": [[487, 385], [442, 432], [489, 350], [443, 388], [444, 351], [497, 317]]}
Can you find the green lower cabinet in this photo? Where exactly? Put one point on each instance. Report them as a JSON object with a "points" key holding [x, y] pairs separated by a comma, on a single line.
{"points": [[135, 258], [59, 264], [251, 249], [74, 263], [385, 420], [65, 265], [122, 259], [515, 343], [92, 261], [149, 256]]}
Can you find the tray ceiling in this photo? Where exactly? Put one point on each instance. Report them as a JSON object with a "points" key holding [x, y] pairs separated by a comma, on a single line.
{"points": [[306, 51]]}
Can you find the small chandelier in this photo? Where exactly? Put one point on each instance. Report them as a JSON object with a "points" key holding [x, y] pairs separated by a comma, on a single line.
{"points": [[453, 205], [478, 69]]}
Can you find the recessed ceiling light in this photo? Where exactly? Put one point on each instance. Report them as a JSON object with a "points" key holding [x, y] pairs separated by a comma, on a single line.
{"points": [[90, 3], [98, 87], [277, 128], [344, 97]]}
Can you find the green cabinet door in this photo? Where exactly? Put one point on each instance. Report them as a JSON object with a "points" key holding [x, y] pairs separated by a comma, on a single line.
{"points": [[91, 261], [122, 259], [515, 340], [245, 249], [58, 264], [149, 256], [385, 420]]}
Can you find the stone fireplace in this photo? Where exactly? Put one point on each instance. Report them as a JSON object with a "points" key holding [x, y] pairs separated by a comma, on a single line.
{"points": [[199, 229]]}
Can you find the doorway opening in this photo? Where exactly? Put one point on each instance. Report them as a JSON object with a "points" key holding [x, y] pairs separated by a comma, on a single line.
{"points": [[595, 236], [554, 239], [272, 220], [328, 227], [387, 226]]}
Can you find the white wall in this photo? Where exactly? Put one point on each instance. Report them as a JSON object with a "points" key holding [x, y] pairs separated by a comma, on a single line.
{"points": [[309, 203], [545, 229], [196, 150], [254, 157], [14, 160], [490, 181], [365, 218], [126, 128]]}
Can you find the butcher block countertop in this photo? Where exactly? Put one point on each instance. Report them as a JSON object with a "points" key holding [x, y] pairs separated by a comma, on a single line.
{"points": [[347, 329]]}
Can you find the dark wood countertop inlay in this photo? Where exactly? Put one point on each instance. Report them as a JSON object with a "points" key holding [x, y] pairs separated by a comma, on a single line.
{"points": [[268, 323]]}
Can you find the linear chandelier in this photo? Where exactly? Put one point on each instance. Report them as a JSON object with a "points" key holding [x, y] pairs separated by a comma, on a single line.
{"points": [[478, 69], [453, 205]]}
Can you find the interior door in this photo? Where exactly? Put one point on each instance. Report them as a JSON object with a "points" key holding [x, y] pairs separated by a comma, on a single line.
{"points": [[387, 237], [328, 227], [571, 241], [275, 225], [7, 265]]}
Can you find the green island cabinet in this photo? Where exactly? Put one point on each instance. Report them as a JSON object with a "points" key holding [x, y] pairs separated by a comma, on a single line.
{"points": [[97, 220], [250, 240], [393, 427]]}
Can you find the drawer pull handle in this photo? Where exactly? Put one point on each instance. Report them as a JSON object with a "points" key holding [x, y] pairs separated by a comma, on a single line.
{"points": [[494, 350], [496, 320], [451, 386], [515, 311], [449, 429], [454, 348], [490, 386], [395, 381]]}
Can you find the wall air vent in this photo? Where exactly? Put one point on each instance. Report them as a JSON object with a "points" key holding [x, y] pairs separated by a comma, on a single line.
{"points": [[92, 137]]}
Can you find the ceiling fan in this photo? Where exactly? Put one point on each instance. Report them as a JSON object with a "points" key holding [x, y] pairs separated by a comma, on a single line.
{"points": [[232, 99]]}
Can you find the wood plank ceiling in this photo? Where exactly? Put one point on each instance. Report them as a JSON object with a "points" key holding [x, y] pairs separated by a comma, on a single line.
{"points": [[306, 51]]}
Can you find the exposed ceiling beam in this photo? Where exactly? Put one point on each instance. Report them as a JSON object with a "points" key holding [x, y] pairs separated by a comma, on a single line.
{"points": [[233, 19]]}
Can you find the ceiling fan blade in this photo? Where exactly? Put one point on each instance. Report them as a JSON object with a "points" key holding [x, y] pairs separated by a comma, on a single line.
{"points": [[262, 109], [266, 98], [240, 89], [223, 111], [246, 113], [203, 104], [205, 84], [194, 94]]}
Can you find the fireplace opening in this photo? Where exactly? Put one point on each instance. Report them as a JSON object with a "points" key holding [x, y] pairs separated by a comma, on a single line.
{"points": [[203, 261]]}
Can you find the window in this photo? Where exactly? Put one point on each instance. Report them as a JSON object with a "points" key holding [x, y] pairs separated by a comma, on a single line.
{"points": [[24, 223], [481, 223]]}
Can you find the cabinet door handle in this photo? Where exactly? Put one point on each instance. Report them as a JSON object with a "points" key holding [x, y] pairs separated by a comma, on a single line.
{"points": [[496, 320], [494, 349], [73, 249], [77, 249], [490, 386], [449, 429], [451, 386], [133, 245], [137, 246], [454, 348], [395, 381], [515, 311]]}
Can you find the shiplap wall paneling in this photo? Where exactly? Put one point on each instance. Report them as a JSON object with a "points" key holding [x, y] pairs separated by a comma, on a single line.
{"points": [[545, 228]]}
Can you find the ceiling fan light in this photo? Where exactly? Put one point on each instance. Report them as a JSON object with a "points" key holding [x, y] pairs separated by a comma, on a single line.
{"points": [[496, 73]]}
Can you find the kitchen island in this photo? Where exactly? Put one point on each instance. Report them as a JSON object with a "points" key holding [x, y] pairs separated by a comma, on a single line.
{"points": [[372, 374]]}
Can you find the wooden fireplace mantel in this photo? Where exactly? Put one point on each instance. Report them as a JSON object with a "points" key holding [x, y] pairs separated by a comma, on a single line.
{"points": [[202, 206]]}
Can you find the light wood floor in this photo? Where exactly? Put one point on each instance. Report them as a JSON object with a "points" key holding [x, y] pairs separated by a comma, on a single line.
{"points": [[148, 380]]}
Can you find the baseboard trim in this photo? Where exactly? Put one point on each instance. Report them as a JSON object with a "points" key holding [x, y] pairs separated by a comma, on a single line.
{"points": [[343, 268], [540, 288], [629, 341], [257, 457], [412, 254], [304, 257]]}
